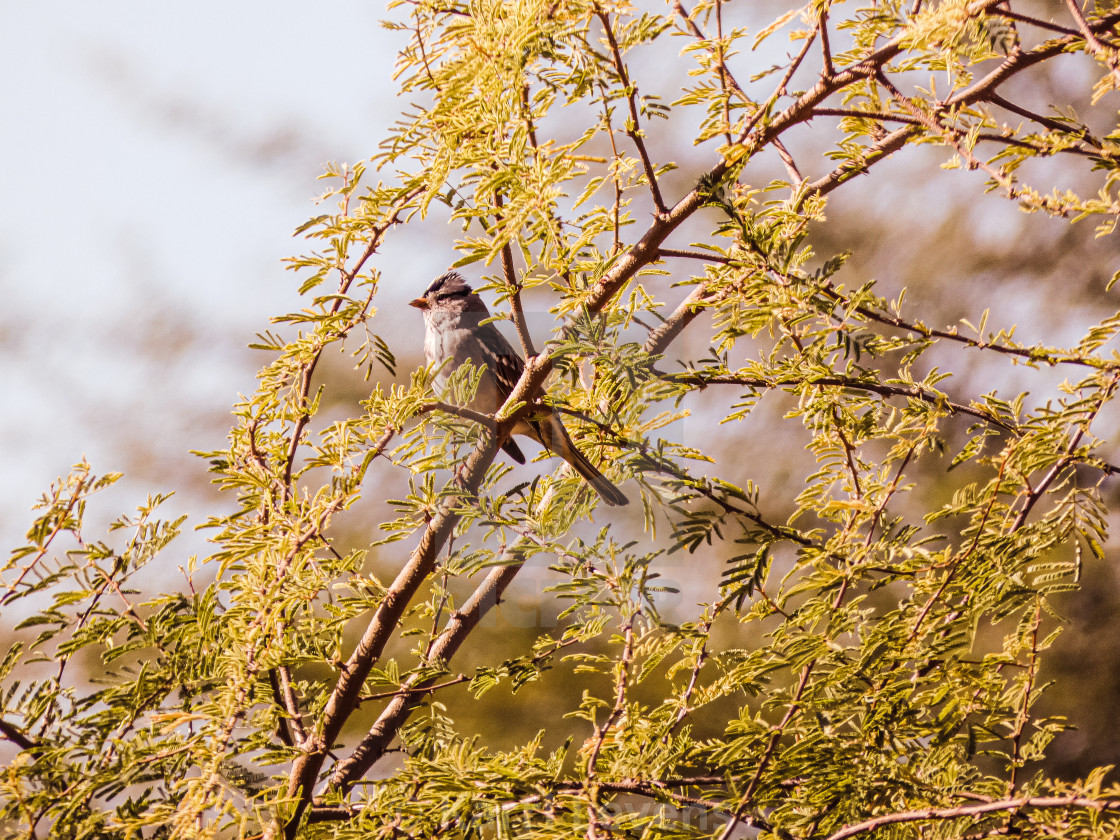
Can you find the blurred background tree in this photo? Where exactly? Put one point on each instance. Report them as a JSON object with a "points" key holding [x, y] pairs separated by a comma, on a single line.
{"points": [[832, 609]]}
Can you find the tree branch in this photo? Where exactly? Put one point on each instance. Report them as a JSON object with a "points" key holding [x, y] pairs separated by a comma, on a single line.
{"points": [[466, 413], [347, 691], [1095, 47], [459, 626], [516, 310], [913, 392], [978, 810], [347, 277], [633, 129], [641, 253], [17, 736]]}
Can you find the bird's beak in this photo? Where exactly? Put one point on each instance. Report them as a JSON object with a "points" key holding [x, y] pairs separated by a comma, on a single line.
{"points": [[419, 303]]}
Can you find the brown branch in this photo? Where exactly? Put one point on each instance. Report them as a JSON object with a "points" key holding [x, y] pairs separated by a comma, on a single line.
{"points": [[699, 486], [1047, 122], [880, 150], [458, 627], [826, 47], [485, 420], [1095, 46], [883, 116], [725, 74], [983, 89], [1041, 148], [281, 680], [877, 116], [850, 458], [915, 392], [978, 810], [780, 91], [692, 305], [527, 112], [701, 295], [664, 335], [17, 736], [1031, 354], [346, 279], [516, 311], [1033, 21], [646, 249], [694, 255], [1019, 61], [795, 176], [633, 129], [419, 689], [347, 691], [949, 135]]}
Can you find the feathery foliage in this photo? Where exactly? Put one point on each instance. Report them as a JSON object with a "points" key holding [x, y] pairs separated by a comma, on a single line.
{"points": [[866, 654]]}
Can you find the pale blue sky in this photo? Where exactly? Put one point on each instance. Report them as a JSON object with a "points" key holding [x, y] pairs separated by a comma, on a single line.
{"points": [[154, 160]]}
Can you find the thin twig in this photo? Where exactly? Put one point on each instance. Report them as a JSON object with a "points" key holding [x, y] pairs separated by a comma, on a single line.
{"points": [[1095, 46], [622, 671], [291, 704], [633, 128], [485, 420], [417, 689], [978, 810], [1033, 21], [724, 76], [826, 47], [615, 172], [513, 287], [59, 525], [915, 392], [950, 136], [346, 278], [459, 626], [1024, 715], [768, 753], [1067, 459], [17, 736], [795, 176], [1047, 122], [725, 73]]}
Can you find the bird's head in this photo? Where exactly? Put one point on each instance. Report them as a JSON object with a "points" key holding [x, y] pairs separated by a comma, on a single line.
{"points": [[449, 292]]}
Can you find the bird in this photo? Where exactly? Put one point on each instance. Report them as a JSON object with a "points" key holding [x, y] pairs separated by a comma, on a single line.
{"points": [[454, 332]]}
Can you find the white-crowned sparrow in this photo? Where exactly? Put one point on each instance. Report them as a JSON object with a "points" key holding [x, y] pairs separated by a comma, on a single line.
{"points": [[453, 316]]}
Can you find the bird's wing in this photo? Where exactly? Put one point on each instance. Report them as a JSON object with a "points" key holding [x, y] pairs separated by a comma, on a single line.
{"points": [[507, 369], [507, 365]]}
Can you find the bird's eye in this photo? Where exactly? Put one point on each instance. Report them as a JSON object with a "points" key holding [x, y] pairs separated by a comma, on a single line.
{"points": [[462, 293]]}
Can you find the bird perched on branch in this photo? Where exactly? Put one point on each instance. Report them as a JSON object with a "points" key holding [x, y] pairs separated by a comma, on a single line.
{"points": [[454, 331]]}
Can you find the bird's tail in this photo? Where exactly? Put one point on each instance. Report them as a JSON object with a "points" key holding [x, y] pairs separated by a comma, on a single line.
{"points": [[602, 485], [550, 431]]}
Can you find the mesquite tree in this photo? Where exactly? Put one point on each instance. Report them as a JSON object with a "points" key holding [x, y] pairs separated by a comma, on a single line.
{"points": [[865, 655]]}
